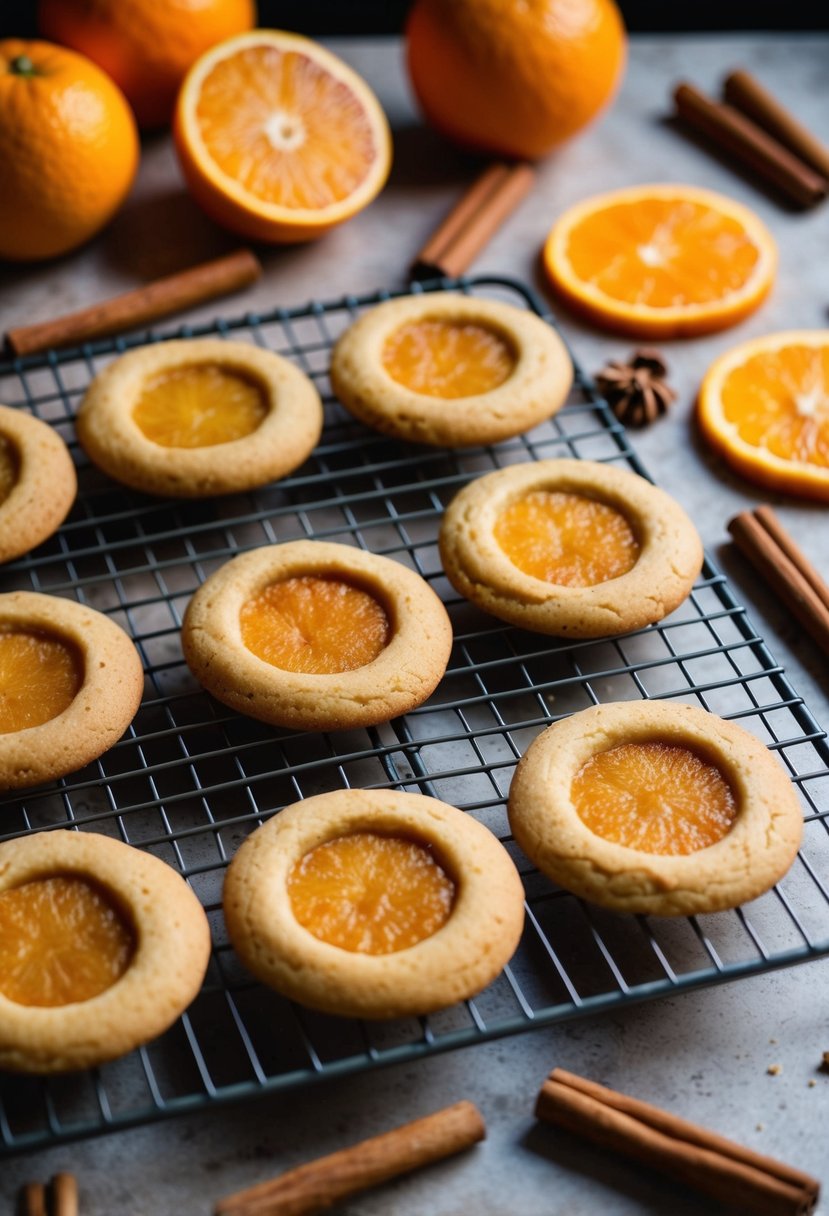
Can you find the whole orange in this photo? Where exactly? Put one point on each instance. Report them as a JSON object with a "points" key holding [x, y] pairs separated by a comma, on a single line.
{"points": [[514, 77], [68, 149], [146, 46]]}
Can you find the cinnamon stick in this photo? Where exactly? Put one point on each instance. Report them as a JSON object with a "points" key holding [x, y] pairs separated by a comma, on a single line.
{"points": [[64, 1195], [34, 1199], [785, 568], [685, 1151], [732, 132], [320, 1184], [175, 293], [474, 220], [742, 90]]}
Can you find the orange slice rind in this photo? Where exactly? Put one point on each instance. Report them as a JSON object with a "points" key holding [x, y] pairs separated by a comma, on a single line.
{"points": [[661, 261], [278, 138], [764, 406]]}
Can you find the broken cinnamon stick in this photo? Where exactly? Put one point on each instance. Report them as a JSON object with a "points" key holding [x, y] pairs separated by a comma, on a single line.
{"points": [[320, 1184], [683, 1150], [786, 570], [175, 293], [64, 1195], [742, 90], [473, 221], [732, 132]]}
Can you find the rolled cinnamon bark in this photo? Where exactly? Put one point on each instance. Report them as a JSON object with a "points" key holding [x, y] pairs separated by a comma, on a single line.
{"points": [[745, 141], [474, 220], [742, 90], [320, 1184], [64, 1195], [175, 293], [683, 1150]]}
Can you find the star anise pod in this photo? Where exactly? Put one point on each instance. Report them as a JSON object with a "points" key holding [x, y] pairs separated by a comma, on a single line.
{"points": [[637, 391]]}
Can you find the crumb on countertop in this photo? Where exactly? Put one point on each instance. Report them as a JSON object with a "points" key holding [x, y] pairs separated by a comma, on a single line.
{"points": [[774, 1070]]}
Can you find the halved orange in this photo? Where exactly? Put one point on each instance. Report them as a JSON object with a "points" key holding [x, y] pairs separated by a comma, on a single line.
{"points": [[661, 261], [279, 139], [765, 407]]}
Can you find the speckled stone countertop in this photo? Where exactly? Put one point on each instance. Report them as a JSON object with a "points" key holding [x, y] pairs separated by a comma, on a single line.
{"points": [[706, 1054]]}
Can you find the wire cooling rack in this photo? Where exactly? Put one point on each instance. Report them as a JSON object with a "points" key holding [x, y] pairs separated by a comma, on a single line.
{"points": [[191, 780]]}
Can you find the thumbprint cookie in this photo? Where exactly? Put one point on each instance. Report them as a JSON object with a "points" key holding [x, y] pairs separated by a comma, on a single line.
{"points": [[70, 684], [102, 946], [37, 482], [570, 547], [199, 416], [374, 903], [655, 807], [317, 636], [451, 370]]}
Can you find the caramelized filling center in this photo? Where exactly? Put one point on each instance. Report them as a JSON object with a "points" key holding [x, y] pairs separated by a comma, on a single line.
{"points": [[199, 405], [448, 358], [654, 796], [40, 676], [371, 894], [61, 940], [315, 625], [9, 468], [566, 538]]}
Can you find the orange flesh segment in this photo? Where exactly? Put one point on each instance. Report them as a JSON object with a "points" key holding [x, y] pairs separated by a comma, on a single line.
{"points": [[39, 678], [370, 894], [61, 941], [315, 625], [284, 128], [9, 470], [654, 796], [662, 252], [199, 406], [566, 538], [448, 358], [779, 401]]}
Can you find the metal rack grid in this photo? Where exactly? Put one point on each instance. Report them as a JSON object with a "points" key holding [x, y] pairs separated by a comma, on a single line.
{"points": [[190, 779]]}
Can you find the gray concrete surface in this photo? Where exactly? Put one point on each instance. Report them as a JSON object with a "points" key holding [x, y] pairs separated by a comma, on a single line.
{"points": [[705, 1054]]}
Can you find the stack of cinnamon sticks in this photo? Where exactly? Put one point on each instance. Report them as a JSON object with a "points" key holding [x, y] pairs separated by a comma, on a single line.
{"points": [[754, 128]]}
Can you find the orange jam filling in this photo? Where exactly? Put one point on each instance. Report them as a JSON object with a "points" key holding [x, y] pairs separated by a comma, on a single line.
{"points": [[448, 358], [9, 470], [371, 894], [566, 538], [315, 625], [40, 676], [61, 940], [199, 406], [654, 796]]}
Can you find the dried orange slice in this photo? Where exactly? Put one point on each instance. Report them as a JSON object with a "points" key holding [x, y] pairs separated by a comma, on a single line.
{"points": [[663, 261], [279, 139], [765, 407]]}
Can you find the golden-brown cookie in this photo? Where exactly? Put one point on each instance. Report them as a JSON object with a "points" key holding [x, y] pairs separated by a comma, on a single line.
{"points": [[37, 482], [569, 547], [374, 903], [451, 370], [102, 946], [199, 416], [70, 684], [655, 807], [317, 636]]}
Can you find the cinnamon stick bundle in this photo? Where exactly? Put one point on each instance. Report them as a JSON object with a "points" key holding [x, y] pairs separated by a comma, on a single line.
{"points": [[320, 1184], [732, 132], [685, 1151], [474, 220], [175, 293], [785, 568]]}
